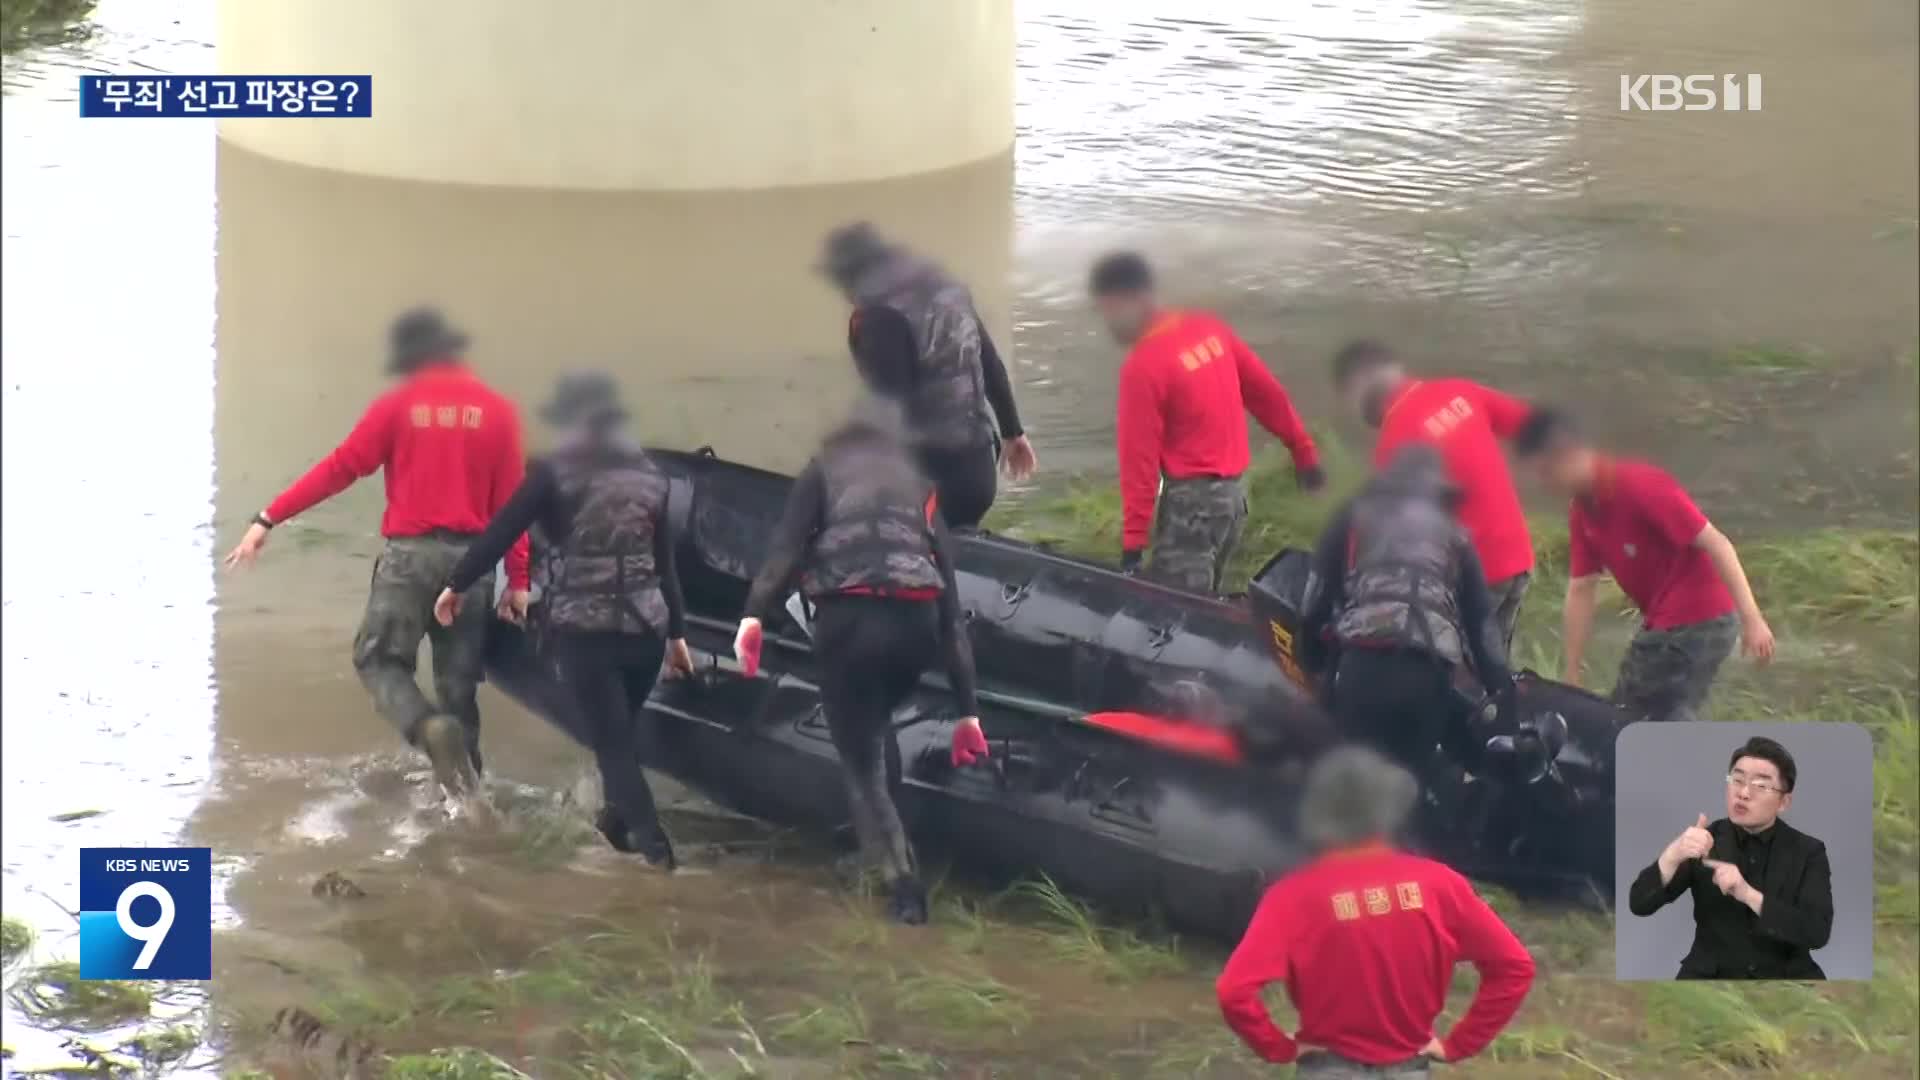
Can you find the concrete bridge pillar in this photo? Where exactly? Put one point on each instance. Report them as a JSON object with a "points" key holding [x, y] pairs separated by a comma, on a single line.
{"points": [[659, 95]]}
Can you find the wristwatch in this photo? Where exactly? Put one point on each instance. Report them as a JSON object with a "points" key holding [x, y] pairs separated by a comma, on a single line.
{"points": [[261, 519]]}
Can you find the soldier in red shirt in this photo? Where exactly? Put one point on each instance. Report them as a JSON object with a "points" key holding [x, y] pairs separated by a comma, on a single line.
{"points": [[449, 447], [1467, 422], [1633, 520], [1181, 429], [1365, 938]]}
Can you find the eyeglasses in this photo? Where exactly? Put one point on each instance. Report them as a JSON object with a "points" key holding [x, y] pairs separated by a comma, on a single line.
{"points": [[1758, 787]]}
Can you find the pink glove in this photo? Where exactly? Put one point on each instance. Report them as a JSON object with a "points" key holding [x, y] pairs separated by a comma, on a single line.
{"points": [[969, 743], [746, 646]]}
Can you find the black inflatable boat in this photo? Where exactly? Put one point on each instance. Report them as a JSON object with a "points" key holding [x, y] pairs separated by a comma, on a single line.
{"points": [[1146, 742]]}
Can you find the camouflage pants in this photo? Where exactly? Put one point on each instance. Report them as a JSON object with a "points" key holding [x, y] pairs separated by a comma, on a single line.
{"points": [[407, 578], [1666, 674], [1507, 595], [1195, 531], [1332, 1066]]}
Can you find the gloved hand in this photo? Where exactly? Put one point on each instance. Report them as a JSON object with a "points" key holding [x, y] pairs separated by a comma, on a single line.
{"points": [[746, 646], [1310, 478], [969, 743], [1484, 710], [1130, 561], [1499, 686]]}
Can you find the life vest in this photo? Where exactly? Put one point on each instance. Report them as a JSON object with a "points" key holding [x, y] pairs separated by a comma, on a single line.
{"points": [[878, 531], [602, 576], [1403, 567], [947, 407]]}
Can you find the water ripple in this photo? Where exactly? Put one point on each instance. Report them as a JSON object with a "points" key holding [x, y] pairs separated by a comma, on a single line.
{"points": [[1422, 105]]}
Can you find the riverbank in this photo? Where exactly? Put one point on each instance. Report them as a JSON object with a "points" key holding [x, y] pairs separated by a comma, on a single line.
{"points": [[763, 964]]}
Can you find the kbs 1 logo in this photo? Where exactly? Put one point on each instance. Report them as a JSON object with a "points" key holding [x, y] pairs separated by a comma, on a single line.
{"points": [[1689, 93], [146, 913]]}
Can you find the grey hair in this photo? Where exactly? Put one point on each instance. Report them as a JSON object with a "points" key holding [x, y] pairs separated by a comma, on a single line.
{"points": [[1353, 794]]}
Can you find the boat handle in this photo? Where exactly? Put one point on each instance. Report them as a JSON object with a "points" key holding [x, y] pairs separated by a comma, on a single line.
{"points": [[813, 724], [1131, 813]]}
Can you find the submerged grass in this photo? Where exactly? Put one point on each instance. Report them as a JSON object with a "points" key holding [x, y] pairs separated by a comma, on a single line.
{"points": [[16, 937], [55, 994], [1761, 358], [27, 23], [465, 1063]]}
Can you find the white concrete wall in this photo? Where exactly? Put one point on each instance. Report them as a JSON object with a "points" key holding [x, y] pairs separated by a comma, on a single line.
{"points": [[636, 94]]}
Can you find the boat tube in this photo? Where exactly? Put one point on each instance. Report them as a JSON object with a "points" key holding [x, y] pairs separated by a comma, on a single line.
{"points": [[1146, 743]]}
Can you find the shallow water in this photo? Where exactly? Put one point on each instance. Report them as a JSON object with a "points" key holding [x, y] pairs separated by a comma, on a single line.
{"points": [[187, 326]]}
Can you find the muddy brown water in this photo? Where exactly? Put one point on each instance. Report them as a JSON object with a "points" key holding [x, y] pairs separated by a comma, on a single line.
{"points": [[187, 326]]}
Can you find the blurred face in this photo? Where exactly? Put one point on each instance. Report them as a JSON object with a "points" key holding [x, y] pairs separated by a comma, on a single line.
{"points": [[1125, 314], [1365, 394], [1564, 469], [840, 281], [1754, 798]]}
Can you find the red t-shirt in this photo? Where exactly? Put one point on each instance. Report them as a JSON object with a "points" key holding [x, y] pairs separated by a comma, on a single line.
{"points": [[450, 447], [1467, 421], [1639, 525], [1366, 941], [1185, 390]]}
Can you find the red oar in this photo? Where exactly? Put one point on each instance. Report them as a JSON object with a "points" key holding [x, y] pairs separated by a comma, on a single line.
{"points": [[1195, 740]]}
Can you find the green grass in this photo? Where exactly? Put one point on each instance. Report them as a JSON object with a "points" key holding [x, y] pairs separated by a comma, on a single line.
{"points": [[1120, 953], [822, 1026], [1822, 576], [1706, 1024], [1039, 1002], [1536, 1043], [963, 1001]]}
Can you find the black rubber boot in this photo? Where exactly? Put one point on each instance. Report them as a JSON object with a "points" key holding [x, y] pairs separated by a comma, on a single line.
{"points": [[615, 830], [657, 850], [909, 902]]}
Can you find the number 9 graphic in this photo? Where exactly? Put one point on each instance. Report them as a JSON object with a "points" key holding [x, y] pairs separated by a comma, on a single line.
{"points": [[155, 933]]}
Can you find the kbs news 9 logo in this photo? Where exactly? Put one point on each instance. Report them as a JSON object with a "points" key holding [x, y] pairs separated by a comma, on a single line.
{"points": [[146, 913]]}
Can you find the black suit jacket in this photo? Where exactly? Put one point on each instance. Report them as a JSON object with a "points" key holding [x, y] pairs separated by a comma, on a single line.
{"points": [[1729, 940]]}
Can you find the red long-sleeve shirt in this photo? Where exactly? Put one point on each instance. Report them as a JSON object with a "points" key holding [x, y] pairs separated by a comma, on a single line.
{"points": [[1466, 422], [450, 448], [1184, 391], [1365, 941]]}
